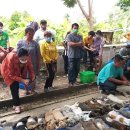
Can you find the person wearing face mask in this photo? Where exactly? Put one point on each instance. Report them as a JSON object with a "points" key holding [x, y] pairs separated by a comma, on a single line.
{"points": [[39, 35], [33, 49], [75, 52], [14, 70], [49, 54], [97, 49], [4, 43]]}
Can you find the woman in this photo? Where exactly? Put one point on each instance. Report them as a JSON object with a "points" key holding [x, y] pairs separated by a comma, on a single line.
{"points": [[33, 49], [49, 55], [14, 70], [97, 49]]}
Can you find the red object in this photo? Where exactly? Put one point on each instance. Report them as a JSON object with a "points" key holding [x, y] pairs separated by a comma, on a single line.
{"points": [[10, 69]]}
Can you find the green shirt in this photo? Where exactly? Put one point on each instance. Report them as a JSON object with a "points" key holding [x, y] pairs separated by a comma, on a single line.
{"points": [[109, 71], [4, 38]]}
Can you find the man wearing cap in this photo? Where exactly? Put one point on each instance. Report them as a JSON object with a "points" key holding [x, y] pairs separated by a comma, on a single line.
{"points": [[39, 34]]}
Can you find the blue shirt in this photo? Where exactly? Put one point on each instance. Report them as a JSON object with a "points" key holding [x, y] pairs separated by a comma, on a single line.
{"points": [[109, 71]]}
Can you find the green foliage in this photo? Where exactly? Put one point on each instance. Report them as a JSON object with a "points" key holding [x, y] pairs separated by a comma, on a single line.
{"points": [[18, 22], [69, 3], [124, 4]]}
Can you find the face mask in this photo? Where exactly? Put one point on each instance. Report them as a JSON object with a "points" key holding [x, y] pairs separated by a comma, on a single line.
{"points": [[23, 62], [75, 31], [48, 39]]}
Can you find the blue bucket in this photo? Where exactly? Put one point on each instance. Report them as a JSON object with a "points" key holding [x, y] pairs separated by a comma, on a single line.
{"points": [[22, 86]]}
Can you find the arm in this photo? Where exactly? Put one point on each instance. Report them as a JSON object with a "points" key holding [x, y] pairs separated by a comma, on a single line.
{"points": [[87, 48], [8, 44], [11, 70], [2, 49], [56, 53], [101, 49], [123, 81], [36, 37], [75, 44], [38, 56], [19, 44], [30, 68], [117, 81]]}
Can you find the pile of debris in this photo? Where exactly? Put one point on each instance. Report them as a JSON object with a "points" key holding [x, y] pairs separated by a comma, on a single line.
{"points": [[105, 113]]}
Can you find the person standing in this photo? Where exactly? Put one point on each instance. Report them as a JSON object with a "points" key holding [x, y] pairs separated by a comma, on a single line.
{"points": [[39, 34], [88, 41], [49, 54], [13, 70], [65, 56], [4, 43], [75, 51], [33, 49], [97, 50]]}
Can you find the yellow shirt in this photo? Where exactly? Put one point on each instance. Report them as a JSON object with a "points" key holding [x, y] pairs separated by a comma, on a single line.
{"points": [[48, 51], [127, 36], [88, 41]]}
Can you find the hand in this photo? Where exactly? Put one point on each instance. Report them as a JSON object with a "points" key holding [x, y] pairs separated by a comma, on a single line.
{"points": [[126, 83], [25, 81]]}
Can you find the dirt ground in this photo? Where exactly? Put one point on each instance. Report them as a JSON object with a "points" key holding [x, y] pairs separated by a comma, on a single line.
{"points": [[59, 83]]}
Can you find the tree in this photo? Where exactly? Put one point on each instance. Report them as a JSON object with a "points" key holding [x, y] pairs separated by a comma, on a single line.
{"points": [[124, 4], [88, 16]]}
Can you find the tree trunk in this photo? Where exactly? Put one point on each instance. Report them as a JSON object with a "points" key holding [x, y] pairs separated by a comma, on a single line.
{"points": [[89, 15]]}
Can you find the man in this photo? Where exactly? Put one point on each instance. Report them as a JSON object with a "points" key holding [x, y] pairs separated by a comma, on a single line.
{"points": [[39, 34], [4, 43], [88, 41], [111, 75], [125, 50], [75, 50]]}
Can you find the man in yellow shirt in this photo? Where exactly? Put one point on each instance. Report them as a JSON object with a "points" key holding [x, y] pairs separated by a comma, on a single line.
{"points": [[49, 54], [88, 41]]}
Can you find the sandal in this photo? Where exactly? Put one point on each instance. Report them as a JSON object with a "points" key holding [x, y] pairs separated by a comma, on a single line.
{"points": [[17, 109]]}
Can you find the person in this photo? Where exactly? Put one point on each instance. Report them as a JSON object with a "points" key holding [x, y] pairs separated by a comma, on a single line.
{"points": [[33, 49], [39, 35], [4, 43], [97, 50], [127, 66], [112, 75], [127, 36], [34, 25], [49, 54], [125, 50], [88, 41], [65, 56], [13, 69], [75, 49]]}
